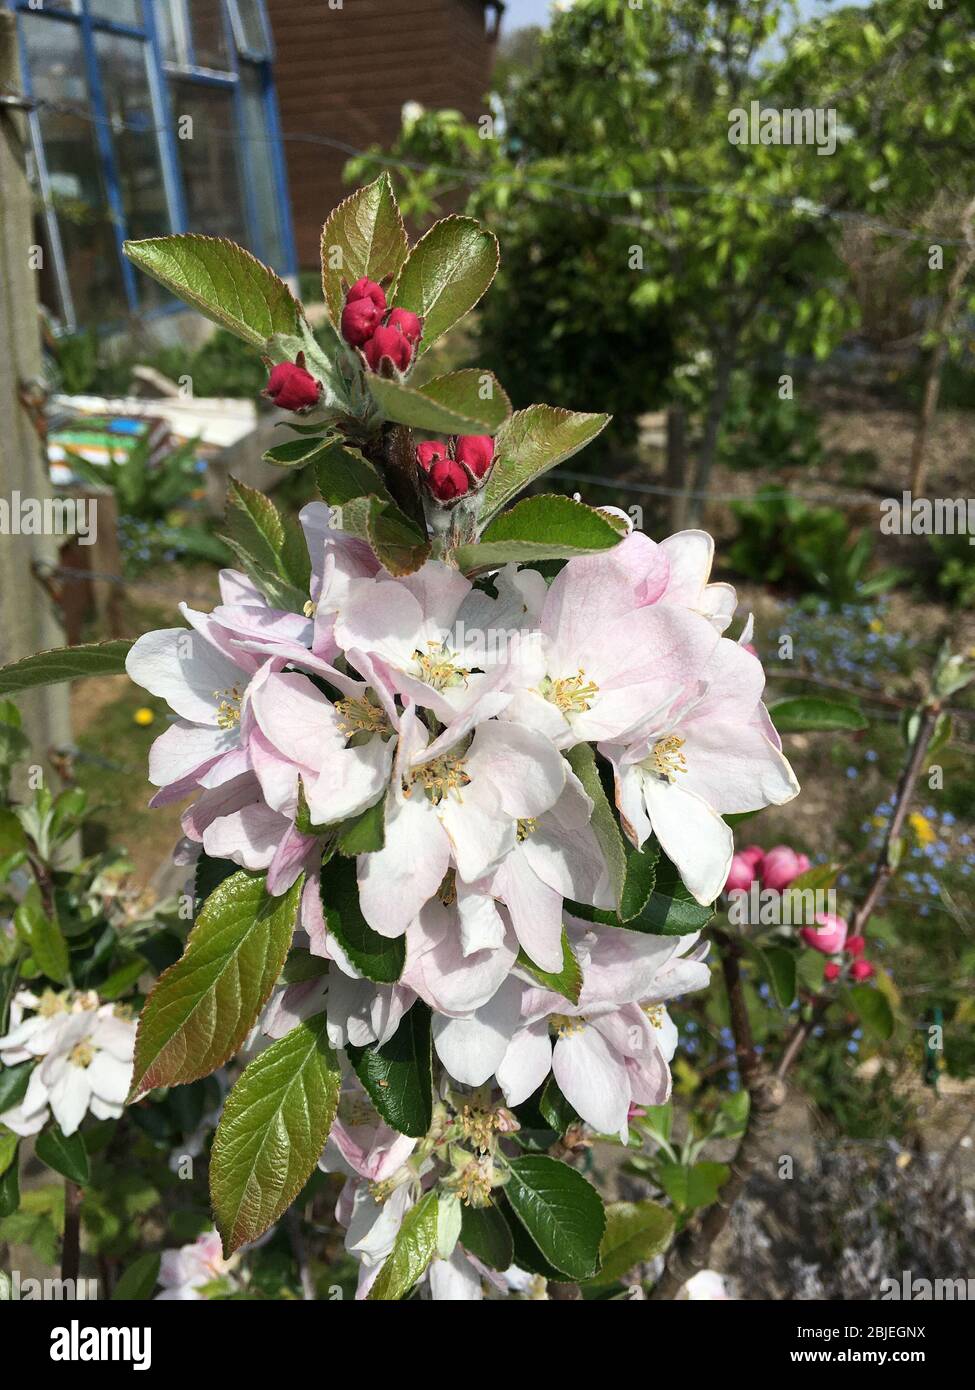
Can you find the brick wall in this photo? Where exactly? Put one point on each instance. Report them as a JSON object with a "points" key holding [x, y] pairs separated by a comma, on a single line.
{"points": [[346, 73]]}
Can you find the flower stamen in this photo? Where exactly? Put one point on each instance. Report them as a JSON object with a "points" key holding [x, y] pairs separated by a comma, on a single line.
{"points": [[228, 710], [439, 668], [666, 759], [439, 778], [361, 717], [570, 694]]}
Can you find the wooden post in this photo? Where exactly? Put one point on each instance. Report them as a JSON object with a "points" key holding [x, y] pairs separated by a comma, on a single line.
{"points": [[27, 619]]}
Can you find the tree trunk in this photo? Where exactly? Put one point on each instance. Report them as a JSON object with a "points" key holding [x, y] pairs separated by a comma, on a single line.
{"points": [[939, 352], [677, 465], [712, 430]]}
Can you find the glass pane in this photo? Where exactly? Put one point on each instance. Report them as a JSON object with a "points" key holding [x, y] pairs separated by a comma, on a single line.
{"points": [[251, 36], [119, 11], [260, 164], [77, 187], [211, 173], [171, 27], [209, 35], [125, 86]]}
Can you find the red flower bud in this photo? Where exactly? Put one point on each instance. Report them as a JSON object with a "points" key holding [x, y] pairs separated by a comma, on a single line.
{"points": [[831, 971], [430, 452], [448, 480], [476, 450], [408, 324], [856, 945], [388, 343], [291, 387], [861, 970], [367, 289], [360, 319]]}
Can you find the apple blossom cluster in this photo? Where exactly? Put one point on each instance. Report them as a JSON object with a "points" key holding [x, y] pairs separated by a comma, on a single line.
{"points": [[83, 1053], [459, 710]]}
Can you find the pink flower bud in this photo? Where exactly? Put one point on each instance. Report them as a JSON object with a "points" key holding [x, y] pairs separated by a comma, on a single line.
{"points": [[410, 325], [754, 854], [861, 970], [856, 945], [741, 875], [291, 387], [448, 480], [476, 450], [828, 935], [428, 453], [360, 319], [831, 971], [781, 865], [367, 289], [388, 345]]}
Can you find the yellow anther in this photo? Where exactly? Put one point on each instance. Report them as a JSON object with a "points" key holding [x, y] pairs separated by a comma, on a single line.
{"points": [[438, 666], [666, 759], [361, 717], [228, 710], [571, 694]]}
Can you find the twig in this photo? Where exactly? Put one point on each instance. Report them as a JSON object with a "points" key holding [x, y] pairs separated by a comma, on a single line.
{"points": [[71, 1240], [767, 1090], [292, 1223]]}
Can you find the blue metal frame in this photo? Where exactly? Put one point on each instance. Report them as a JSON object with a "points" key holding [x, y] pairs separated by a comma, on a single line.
{"points": [[158, 71]]}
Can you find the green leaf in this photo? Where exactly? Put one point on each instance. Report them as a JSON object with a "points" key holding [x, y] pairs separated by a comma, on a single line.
{"points": [[779, 966], [698, 1186], [272, 1131], [567, 981], [872, 1007], [555, 1109], [10, 1190], [363, 236], [541, 528], [13, 1084], [8, 1148], [209, 874], [364, 833], [297, 453], [526, 1253], [398, 1075], [484, 1233], [203, 1007], [45, 939], [139, 1280], [379, 958], [670, 910], [636, 1232], [529, 443], [66, 1154], [342, 474], [641, 875], [260, 532], [396, 540], [466, 402], [582, 760], [446, 273], [811, 714], [65, 664], [561, 1212], [222, 280], [123, 978], [415, 1247]]}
